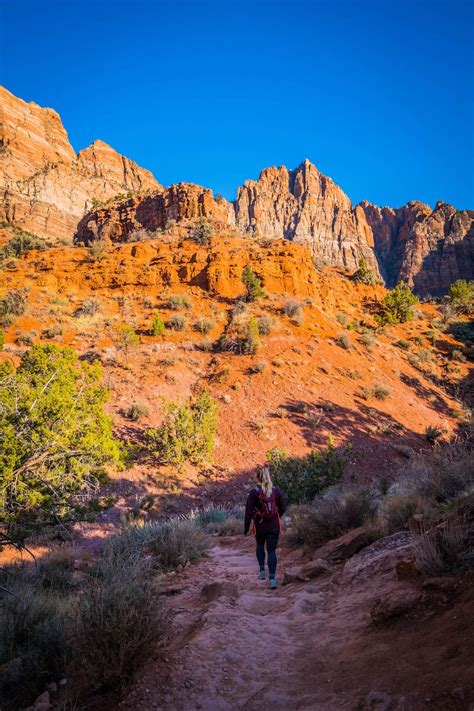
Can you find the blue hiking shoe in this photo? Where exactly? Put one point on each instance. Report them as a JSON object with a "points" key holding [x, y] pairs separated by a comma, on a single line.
{"points": [[273, 584], [261, 575]]}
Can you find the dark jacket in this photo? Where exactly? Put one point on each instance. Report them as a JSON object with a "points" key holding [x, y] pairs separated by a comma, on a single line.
{"points": [[252, 508]]}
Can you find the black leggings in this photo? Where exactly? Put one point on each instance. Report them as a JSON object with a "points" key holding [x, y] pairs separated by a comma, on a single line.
{"points": [[271, 539]]}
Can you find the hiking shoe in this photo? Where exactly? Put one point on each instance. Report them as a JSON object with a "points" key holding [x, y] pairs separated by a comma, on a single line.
{"points": [[273, 584], [261, 575]]}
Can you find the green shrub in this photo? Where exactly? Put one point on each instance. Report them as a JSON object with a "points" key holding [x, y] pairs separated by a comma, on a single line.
{"points": [[461, 295], [177, 322], [12, 305], [98, 249], [364, 275], [303, 478], [204, 325], [52, 332], [404, 345], [251, 341], [202, 231], [187, 432], [176, 302], [54, 433], [26, 339], [136, 412], [21, 243], [125, 339], [396, 306], [253, 285], [157, 326], [2, 339]]}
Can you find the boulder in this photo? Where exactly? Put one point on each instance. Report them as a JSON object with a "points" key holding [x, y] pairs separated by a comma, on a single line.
{"points": [[380, 557], [344, 547], [224, 588], [307, 572], [394, 604]]}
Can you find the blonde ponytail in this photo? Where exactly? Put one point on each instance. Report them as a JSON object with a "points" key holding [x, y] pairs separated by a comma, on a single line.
{"points": [[265, 480]]}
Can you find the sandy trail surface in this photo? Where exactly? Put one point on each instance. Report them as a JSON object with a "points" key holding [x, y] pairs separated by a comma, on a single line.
{"points": [[235, 644]]}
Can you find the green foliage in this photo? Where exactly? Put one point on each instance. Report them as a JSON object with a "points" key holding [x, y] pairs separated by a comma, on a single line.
{"points": [[187, 432], [52, 331], [251, 341], [54, 433], [461, 295], [432, 433], [12, 305], [395, 307], [364, 275], [2, 339], [202, 231], [21, 243], [303, 478], [157, 326], [253, 285], [125, 339], [98, 249], [136, 412]]}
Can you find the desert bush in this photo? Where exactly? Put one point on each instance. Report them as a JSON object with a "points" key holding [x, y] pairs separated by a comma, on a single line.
{"points": [[458, 355], [26, 339], [292, 307], [342, 319], [202, 231], [445, 550], [177, 322], [12, 305], [2, 339], [251, 341], [139, 235], [396, 306], [52, 331], [433, 433], [380, 392], [137, 411], [331, 515], [147, 302], [157, 326], [187, 432], [54, 433], [368, 340], [461, 296], [397, 510], [425, 355], [176, 302], [21, 243], [253, 285], [364, 275], [125, 339], [265, 325], [33, 643], [98, 249], [204, 325], [119, 619], [89, 307], [258, 367], [404, 345], [206, 345], [343, 341], [218, 520], [303, 478]]}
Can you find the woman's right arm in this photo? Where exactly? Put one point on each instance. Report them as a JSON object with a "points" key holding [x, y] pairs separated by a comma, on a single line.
{"points": [[249, 511]]}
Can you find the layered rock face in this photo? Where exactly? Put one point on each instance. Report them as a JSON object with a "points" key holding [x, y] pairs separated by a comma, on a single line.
{"points": [[306, 207], [44, 186], [428, 249], [183, 203]]}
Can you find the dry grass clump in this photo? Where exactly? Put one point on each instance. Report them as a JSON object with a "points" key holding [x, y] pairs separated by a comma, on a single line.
{"points": [[332, 515], [204, 325], [177, 322], [176, 302], [445, 550]]}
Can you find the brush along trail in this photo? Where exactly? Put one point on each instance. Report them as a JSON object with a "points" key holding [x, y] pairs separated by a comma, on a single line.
{"points": [[236, 645]]}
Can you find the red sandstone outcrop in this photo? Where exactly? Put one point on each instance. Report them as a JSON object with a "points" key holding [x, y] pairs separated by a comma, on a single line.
{"points": [[306, 207], [183, 203], [428, 249], [44, 186]]}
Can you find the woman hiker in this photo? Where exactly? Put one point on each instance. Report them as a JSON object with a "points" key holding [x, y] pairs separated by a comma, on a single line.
{"points": [[265, 505]]}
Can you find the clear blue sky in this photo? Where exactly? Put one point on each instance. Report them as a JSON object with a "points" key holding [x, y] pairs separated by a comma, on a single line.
{"points": [[379, 95]]}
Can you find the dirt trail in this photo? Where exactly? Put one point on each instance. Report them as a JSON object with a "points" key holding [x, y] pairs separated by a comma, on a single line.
{"points": [[239, 646]]}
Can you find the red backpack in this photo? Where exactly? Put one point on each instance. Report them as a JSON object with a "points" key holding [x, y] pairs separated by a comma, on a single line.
{"points": [[267, 504]]}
